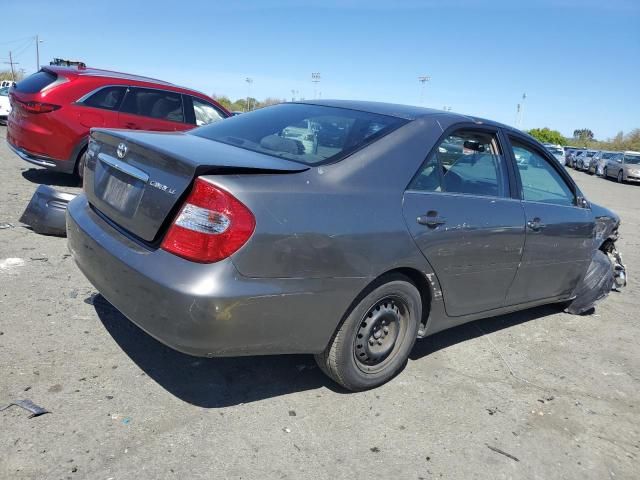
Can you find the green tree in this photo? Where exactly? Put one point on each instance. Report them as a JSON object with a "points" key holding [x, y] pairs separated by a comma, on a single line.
{"points": [[546, 135]]}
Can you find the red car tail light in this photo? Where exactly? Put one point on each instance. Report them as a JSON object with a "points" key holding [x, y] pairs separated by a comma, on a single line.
{"points": [[211, 225], [38, 107]]}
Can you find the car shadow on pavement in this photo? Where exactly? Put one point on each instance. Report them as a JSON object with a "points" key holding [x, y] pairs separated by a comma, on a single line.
{"points": [[475, 329], [211, 382], [47, 177]]}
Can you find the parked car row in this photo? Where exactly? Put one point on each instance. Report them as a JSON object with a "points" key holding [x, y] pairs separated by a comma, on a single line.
{"points": [[623, 166], [342, 229]]}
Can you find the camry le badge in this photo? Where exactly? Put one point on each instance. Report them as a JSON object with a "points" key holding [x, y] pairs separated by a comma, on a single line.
{"points": [[121, 151], [162, 187]]}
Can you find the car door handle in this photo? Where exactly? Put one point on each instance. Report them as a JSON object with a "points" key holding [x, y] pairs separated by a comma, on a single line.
{"points": [[431, 219], [132, 126], [536, 225]]}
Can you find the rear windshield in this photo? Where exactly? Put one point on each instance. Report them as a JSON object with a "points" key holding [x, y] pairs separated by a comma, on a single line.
{"points": [[36, 82], [309, 134]]}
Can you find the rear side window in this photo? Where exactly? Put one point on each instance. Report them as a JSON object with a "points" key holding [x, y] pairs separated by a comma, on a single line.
{"points": [[205, 113], [540, 180], [108, 98], [152, 103], [36, 82], [468, 162], [310, 134]]}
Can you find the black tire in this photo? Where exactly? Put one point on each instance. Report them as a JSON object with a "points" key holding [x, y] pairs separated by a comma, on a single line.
{"points": [[596, 285], [620, 177], [604, 173], [82, 159], [374, 341]]}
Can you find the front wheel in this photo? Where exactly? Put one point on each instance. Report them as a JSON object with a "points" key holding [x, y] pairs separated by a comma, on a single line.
{"points": [[374, 341], [620, 177]]}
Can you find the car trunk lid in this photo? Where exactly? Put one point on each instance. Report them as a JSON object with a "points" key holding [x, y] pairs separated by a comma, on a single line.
{"points": [[138, 179]]}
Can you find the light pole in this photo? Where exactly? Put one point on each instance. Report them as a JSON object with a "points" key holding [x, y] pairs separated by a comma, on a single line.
{"points": [[249, 82], [446, 108], [423, 80], [524, 97], [315, 78], [294, 93]]}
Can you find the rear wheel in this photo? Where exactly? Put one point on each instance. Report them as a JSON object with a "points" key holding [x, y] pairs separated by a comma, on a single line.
{"points": [[82, 159], [374, 341], [604, 172]]}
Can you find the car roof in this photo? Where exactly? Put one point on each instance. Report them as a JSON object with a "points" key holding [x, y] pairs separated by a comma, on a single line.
{"points": [[407, 112], [97, 72]]}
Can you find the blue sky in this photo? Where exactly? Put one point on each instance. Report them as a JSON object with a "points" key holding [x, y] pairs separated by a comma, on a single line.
{"points": [[577, 61]]}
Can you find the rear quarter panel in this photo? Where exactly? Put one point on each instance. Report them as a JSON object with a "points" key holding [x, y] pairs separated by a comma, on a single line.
{"points": [[339, 220]]}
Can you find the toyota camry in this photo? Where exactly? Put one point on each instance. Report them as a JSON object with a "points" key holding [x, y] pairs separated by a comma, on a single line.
{"points": [[341, 229]]}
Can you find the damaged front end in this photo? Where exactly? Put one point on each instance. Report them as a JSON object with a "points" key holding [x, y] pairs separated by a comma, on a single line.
{"points": [[607, 225]]}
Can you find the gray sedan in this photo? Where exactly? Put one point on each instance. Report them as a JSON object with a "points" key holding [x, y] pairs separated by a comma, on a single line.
{"points": [[371, 226]]}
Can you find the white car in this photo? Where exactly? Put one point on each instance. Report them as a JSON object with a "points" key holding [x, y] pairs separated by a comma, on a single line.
{"points": [[557, 151], [5, 106]]}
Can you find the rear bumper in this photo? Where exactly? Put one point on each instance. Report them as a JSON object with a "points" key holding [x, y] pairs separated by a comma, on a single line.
{"points": [[63, 166], [205, 309]]}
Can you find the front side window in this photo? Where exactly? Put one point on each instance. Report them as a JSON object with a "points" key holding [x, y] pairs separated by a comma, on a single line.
{"points": [[205, 113], [311, 134], [158, 104], [470, 162], [108, 98], [541, 182]]}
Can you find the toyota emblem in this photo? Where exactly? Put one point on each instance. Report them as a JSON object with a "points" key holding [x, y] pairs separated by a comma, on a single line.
{"points": [[121, 150]]}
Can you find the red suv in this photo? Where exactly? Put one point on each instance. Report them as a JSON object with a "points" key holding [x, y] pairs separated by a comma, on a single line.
{"points": [[53, 110]]}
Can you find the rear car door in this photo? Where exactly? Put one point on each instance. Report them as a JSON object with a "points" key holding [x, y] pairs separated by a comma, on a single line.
{"points": [[152, 109], [461, 213], [99, 108], [560, 227]]}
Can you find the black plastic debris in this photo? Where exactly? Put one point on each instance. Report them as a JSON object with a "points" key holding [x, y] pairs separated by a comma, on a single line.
{"points": [[596, 285], [28, 405], [46, 211]]}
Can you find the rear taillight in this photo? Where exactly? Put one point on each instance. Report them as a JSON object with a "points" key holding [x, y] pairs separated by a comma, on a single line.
{"points": [[39, 107], [211, 225]]}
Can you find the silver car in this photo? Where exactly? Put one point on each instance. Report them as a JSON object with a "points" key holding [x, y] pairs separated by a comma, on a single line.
{"points": [[379, 225], [624, 167]]}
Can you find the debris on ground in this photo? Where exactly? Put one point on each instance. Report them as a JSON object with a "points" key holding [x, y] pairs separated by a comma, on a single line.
{"points": [[6, 225], [502, 452], [11, 263], [27, 404]]}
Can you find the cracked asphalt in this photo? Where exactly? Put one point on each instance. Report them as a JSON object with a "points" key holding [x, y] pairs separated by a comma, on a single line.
{"points": [[536, 394]]}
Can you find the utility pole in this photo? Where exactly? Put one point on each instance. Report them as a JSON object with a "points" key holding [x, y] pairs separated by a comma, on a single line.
{"points": [[315, 78], [249, 82], [520, 112], [12, 63], [294, 93], [423, 80], [38, 41]]}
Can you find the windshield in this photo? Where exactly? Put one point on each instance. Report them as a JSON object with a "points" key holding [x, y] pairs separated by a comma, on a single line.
{"points": [[632, 159], [556, 151], [309, 134]]}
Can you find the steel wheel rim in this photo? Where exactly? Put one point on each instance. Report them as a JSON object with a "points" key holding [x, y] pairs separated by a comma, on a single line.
{"points": [[380, 334]]}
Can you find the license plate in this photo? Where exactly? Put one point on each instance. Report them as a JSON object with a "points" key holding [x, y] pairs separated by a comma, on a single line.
{"points": [[118, 193]]}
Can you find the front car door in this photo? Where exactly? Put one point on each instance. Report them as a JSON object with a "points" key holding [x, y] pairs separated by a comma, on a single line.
{"points": [[560, 228], [460, 211], [152, 109]]}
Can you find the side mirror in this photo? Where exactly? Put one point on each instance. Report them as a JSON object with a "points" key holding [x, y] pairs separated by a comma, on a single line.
{"points": [[582, 202]]}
